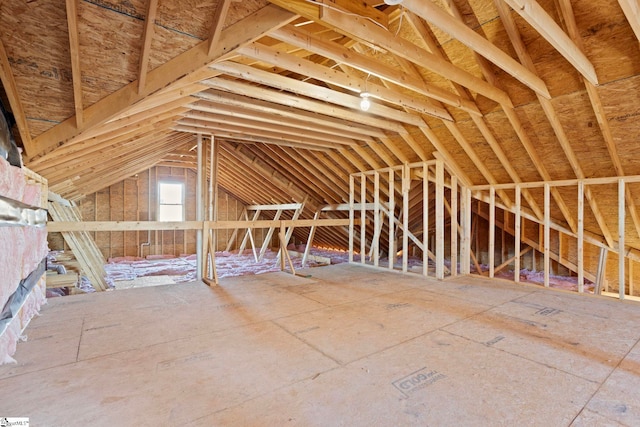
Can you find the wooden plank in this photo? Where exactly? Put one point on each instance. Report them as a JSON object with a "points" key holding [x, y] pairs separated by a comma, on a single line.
{"points": [[334, 77], [517, 226], [82, 245], [361, 29], [458, 30], [631, 10], [74, 53], [538, 18], [11, 89], [406, 184], [366, 64], [363, 216], [439, 250], [425, 219], [621, 236], [352, 190], [465, 216], [454, 226], [391, 217], [492, 231], [218, 21], [580, 237], [243, 32], [547, 235], [147, 38]]}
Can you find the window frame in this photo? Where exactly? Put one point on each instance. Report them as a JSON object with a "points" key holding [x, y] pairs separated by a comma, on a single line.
{"points": [[162, 182]]}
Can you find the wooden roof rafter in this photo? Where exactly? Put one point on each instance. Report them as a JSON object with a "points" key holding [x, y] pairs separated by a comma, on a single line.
{"points": [[242, 32]]}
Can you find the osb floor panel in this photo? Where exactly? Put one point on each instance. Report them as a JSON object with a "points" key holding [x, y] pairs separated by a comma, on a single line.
{"points": [[348, 346]]}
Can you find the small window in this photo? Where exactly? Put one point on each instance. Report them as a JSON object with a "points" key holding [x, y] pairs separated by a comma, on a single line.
{"points": [[171, 201]]}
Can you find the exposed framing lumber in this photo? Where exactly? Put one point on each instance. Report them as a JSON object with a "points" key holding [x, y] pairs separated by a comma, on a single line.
{"points": [[631, 10], [277, 97], [147, 38], [334, 77], [598, 108], [74, 52], [458, 30], [242, 32], [252, 104], [218, 22], [552, 116], [621, 236], [538, 18], [366, 64], [364, 30], [11, 89]]}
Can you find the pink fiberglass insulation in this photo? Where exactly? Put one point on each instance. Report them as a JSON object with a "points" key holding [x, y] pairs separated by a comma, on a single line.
{"points": [[184, 268], [21, 251]]}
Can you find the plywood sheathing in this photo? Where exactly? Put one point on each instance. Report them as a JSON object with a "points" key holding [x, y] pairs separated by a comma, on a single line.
{"points": [[336, 347]]}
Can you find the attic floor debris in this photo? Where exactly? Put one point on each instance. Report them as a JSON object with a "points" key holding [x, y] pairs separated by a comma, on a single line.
{"points": [[348, 346]]}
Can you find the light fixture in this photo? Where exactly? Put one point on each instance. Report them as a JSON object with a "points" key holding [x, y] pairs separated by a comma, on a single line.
{"points": [[364, 102]]}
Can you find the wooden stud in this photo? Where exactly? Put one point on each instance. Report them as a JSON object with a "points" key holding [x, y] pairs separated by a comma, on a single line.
{"points": [[74, 51], [465, 267], [439, 220], [518, 230], [492, 231], [425, 219], [454, 226], [406, 185], [391, 215], [621, 236], [580, 242], [363, 217], [547, 234], [351, 215]]}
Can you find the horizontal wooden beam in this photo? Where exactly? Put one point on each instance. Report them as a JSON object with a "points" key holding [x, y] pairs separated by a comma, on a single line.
{"points": [[73, 226]]}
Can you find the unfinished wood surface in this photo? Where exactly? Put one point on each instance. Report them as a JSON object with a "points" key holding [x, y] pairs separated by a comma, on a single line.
{"points": [[304, 336], [82, 245]]}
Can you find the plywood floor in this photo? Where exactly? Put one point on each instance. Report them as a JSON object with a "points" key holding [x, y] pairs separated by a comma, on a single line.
{"points": [[349, 346]]}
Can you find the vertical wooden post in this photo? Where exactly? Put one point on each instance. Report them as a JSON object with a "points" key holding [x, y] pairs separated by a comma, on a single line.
{"points": [[454, 226], [547, 236], [517, 226], [282, 238], [392, 215], [376, 218], [439, 220], [425, 219], [406, 184], [199, 209], [630, 276], [580, 243], [621, 235], [312, 233], [492, 231], [465, 267], [363, 217], [351, 215]]}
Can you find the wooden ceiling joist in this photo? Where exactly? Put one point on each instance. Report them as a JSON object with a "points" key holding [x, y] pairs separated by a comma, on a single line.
{"points": [[335, 77], [243, 32], [286, 112], [369, 65], [305, 104], [536, 16], [282, 128]]}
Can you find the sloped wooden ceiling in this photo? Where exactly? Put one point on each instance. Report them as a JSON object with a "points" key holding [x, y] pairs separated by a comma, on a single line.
{"points": [[503, 91]]}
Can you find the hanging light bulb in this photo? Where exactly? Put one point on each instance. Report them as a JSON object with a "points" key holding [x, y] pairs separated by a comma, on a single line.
{"points": [[364, 102]]}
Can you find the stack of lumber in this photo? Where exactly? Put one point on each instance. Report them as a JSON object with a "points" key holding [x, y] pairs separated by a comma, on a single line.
{"points": [[82, 244]]}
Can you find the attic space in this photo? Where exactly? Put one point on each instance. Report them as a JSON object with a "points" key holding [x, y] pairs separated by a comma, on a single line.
{"points": [[319, 212]]}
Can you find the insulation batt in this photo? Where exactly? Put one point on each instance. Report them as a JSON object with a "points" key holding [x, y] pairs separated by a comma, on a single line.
{"points": [[21, 250]]}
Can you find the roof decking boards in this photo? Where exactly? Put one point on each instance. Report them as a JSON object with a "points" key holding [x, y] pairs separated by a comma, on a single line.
{"points": [[507, 91]]}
